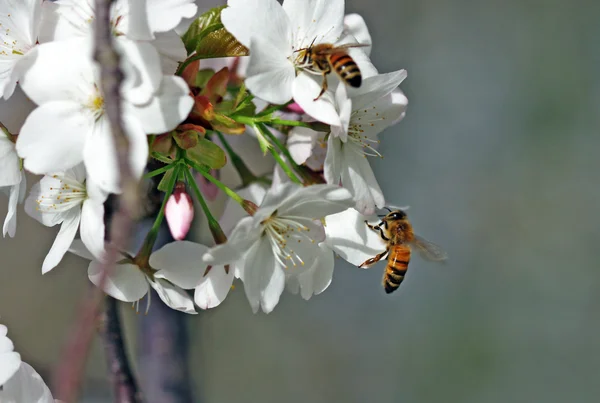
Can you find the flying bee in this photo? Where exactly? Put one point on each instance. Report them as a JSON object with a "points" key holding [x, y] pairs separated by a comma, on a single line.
{"points": [[324, 58], [398, 234]]}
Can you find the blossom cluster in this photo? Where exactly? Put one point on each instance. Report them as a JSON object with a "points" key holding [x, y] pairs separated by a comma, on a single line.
{"points": [[192, 100]]}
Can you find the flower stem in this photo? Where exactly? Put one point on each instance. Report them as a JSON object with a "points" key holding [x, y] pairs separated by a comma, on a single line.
{"points": [[236, 197], [247, 176], [295, 123], [286, 168], [264, 130], [158, 171], [213, 224], [161, 158], [148, 244], [273, 108]]}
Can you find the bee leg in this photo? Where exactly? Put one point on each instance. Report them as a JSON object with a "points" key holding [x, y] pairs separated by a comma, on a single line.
{"points": [[374, 260], [324, 87]]}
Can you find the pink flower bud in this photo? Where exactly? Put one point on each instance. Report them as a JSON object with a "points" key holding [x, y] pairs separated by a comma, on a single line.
{"points": [[294, 107], [208, 189], [179, 212]]}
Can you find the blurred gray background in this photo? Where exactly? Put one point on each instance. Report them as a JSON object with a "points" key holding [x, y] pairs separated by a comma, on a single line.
{"points": [[497, 158]]}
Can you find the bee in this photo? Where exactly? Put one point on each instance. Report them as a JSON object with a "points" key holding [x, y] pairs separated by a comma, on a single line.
{"points": [[324, 58], [398, 234]]}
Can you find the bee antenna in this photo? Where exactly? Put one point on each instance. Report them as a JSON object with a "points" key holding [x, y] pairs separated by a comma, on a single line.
{"points": [[388, 209], [381, 215]]}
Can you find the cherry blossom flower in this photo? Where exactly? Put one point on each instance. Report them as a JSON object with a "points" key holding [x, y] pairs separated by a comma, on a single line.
{"points": [[73, 202], [70, 126], [19, 24], [275, 34], [129, 282], [19, 382], [364, 113], [182, 263], [148, 20], [283, 235]]}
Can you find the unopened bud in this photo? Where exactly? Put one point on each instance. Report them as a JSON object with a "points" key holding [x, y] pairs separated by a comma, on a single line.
{"points": [[179, 212], [250, 207]]}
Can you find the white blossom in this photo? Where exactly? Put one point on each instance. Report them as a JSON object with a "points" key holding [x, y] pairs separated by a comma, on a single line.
{"points": [[19, 24], [129, 282], [282, 237], [12, 181], [70, 200], [275, 34], [364, 113], [70, 125], [19, 382], [181, 262]]}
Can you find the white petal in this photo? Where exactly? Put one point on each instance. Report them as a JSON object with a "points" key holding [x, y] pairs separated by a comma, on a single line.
{"points": [[316, 201], [10, 222], [334, 161], [171, 49], [79, 249], [359, 179], [242, 237], [124, 282], [349, 236], [270, 74], [173, 296], [300, 143], [26, 386], [181, 263], [143, 74], [344, 105], [39, 190], [52, 78], [169, 107], [100, 158], [63, 240], [164, 15], [320, 19], [92, 227], [53, 137], [374, 88], [268, 21], [305, 90], [214, 287], [355, 25], [66, 20], [9, 365], [137, 23], [263, 279], [323, 270], [398, 98]]}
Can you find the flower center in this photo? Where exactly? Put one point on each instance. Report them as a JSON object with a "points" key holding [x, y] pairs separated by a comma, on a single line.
{"points": [[281, 232], [13, 40], [68, 194], [364, 144], [96, 104]]}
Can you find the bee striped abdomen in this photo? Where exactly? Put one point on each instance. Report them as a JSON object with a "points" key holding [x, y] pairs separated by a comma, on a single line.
{"points": [[396, 268], [346, 68]]}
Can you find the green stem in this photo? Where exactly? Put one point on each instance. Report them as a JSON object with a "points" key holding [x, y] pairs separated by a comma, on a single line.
{"points": [[247, 176], [236, 197], [295, 123], [158, 171], [286, 168], [213, 224], [146, 249], [265, 130], [273, 108]]}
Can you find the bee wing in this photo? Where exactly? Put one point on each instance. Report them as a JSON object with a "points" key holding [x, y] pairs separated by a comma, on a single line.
{"points": [[342, 47], [429, 250]]}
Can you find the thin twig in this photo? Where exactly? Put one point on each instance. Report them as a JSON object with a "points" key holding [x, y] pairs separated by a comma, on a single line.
{"points": [[124, 384], [73, 362]]}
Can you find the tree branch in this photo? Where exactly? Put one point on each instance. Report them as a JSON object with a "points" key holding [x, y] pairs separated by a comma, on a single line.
{"points": [[72, 365], [124, 384]]}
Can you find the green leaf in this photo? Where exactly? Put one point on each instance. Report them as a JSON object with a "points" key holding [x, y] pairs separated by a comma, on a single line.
{"points": [[207, 153], [163, 186], [263, 142], [202, 26], [219, 43], [203, 76]]}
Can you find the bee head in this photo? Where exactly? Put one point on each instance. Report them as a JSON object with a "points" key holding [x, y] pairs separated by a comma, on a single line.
{"points": [[393, 215]]}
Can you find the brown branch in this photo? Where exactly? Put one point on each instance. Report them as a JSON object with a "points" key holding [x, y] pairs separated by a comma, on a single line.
{"points": [[73, 363], [124, 384]]}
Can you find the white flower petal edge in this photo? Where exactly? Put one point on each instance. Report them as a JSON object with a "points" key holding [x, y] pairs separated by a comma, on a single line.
{"points": [[10, 361], [350, 238], [282, 238], [20, 21]]}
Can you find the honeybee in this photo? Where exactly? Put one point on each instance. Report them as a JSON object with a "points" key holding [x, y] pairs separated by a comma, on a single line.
{"points": [[325, 57], [397, 232]]}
